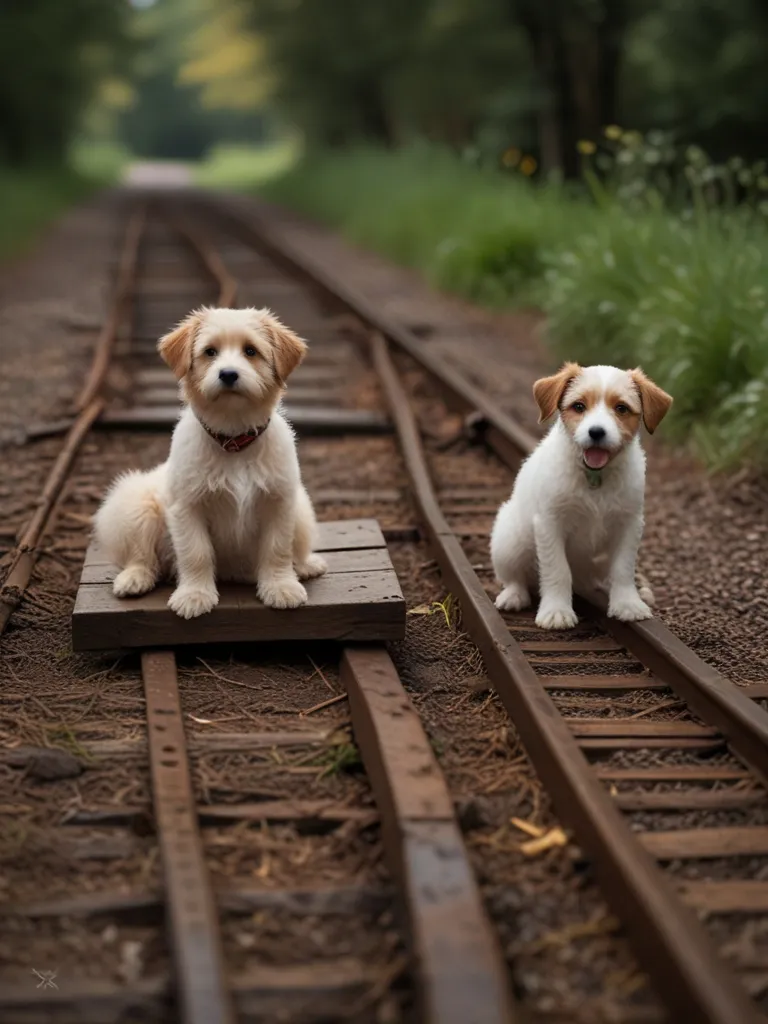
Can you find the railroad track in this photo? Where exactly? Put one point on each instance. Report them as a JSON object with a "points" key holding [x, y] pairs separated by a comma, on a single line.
{"points": [[691, 751]]}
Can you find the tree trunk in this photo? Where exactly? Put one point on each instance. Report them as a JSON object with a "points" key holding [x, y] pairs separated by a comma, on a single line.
{"points": [[577, 60], [549, 113], [374, 118]]}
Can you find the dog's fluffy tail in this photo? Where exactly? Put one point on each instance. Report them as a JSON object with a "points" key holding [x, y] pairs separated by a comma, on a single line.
{"points": [[305, 537], [130, 525]]}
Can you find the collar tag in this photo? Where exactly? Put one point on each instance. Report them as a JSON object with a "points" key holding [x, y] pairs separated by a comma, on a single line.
{"points": [[594, 477]]}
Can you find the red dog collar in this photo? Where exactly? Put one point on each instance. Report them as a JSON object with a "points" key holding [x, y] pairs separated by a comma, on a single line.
{"points": [[237, 442]]}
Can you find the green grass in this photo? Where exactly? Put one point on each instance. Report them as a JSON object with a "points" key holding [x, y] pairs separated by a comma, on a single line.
{"points": [[31, 198], [246, 167], [633, 271]]}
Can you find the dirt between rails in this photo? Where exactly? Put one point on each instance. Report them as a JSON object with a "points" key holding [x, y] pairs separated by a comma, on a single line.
{"points": [[706, 539]]}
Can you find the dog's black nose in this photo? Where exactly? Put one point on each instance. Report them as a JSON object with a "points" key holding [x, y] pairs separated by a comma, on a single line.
{"points": [[229, 377], [596, 433]]}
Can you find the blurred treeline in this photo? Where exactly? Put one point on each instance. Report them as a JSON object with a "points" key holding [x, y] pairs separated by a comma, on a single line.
{"points": [[173, 77], [54, 54], [535, 74]]}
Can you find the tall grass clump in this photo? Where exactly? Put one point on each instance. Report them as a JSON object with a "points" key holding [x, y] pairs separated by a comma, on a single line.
{"points": [[659, 259], [671, 274], [470, 229]]}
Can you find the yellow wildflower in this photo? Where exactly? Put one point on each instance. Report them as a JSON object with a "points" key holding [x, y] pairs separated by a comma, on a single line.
{"points": [[586, 147], [528, 165], [511, 157]]}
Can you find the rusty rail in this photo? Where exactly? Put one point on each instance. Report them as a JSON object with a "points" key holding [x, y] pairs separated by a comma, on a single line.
{"points": [[90, 406], [461, 973], [105, 342], [193, 919], [212, 262]]}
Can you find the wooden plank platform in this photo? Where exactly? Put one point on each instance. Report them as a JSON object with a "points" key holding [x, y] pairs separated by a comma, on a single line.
{"points": [[359, 599]]}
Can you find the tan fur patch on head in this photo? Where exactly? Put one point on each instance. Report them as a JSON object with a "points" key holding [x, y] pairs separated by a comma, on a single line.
{"points": [[625, 409], [288, 349], [655, 402], [548, 391], [175, 348], [577, 394]]}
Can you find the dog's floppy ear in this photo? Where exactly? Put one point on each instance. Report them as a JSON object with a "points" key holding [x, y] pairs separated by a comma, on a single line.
{"points": [[176, 347], [654, 401], [549, 390], [287, 347]]}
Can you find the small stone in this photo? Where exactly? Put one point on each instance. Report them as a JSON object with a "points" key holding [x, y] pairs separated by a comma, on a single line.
{"points": [[131, 966]]}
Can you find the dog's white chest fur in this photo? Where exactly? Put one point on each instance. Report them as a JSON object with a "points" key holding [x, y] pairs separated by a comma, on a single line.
{"points": [[233, 490]]}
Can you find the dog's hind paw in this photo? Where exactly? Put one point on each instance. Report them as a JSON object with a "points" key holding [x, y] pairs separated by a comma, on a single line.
{"points": [[314, 566], [133, 580], [644, 589], [188, 602], [513, 598], [556, 616], [282, 593], [629, 609]]}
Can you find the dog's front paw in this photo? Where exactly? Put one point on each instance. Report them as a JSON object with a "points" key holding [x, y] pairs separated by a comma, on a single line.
{"points": [[556, 616], [513, 598], [190, 601], [630, 608], [282, 593], [133, 580], [314, 566]]}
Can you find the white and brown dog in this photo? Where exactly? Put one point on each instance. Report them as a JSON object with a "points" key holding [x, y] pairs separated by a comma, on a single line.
{"points": [[575, 517], [228, 503]]}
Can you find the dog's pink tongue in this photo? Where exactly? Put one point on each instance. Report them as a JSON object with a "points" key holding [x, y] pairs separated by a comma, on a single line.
{"points": [[596, 458]]}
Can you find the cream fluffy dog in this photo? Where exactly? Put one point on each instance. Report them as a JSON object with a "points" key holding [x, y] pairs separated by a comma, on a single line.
{"points": [[229, 502], [575, 518]]}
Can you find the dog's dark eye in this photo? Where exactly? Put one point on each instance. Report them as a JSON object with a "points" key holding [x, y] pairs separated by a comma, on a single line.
{"points": [[579, 407], [622, 409], [250, 351], [211, 352]]}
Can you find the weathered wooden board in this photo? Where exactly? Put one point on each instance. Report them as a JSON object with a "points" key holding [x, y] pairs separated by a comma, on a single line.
{"points": [[306, 419], [301, 394], [97, 568], [358, 599]]}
